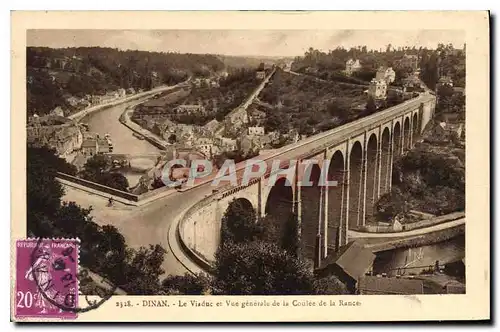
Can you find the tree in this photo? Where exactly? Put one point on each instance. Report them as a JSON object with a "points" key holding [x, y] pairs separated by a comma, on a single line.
{"points": [[429, 70], [259, 268], [96, 169], [114, 252], [275, 121], [70, 218], [143, 270], [393, 98], [238, 223], [390, 205], [330, 285], [371, 106], [188, 284], [445, 94], [114, 180], [103, 249], [290, 239], [44, 193]]}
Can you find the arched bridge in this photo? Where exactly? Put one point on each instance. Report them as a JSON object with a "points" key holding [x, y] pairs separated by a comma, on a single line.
{"points": [[358, 155]]}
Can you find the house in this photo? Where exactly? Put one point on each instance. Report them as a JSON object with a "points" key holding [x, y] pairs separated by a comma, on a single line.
{"points": [[104, 146], [377, 89], [184, 134], [206, 146], [227, 144], [256, 115], [274, 136], [452, 129], [237, 117], [377, 285], [212, 125], [223, 74], [155, 79], [352, 66], [196, 82], [293, 136], [311, 70], [89, 147], [260, 75], [121, 93], [386, 74], [95, 99], [444, 132], [190, 109], [55, 131], [349, 264], [73, 101], [412, 83], [248, 143], [256, 131], [58, 111]]}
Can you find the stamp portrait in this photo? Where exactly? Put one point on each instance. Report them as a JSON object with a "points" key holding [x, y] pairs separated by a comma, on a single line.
{"points": [[46, 278]]}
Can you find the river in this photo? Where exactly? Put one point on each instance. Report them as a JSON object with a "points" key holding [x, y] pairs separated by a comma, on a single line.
{"points": [[106, 122], [415, 260]]}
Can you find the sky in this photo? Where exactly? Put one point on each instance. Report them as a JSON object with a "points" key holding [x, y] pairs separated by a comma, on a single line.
{"points": [[242, 42]]}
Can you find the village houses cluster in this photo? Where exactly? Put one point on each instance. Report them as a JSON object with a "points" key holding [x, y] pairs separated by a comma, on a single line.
{"points": [[242, 129], [378, 87], [213, 82]]}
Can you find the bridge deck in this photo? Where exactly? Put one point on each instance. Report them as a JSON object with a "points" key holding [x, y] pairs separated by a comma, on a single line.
{"points": [[315, 144]]}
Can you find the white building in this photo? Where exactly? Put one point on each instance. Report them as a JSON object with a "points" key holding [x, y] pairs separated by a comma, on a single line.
{"points": [[206, 146], [352, 66], [121, 93], [256, 131], [58, 111], [377, 89], [386, 73], [190, 109]]}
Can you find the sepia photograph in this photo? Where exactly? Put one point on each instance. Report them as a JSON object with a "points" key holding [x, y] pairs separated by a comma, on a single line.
{"points": [[241, 162]]}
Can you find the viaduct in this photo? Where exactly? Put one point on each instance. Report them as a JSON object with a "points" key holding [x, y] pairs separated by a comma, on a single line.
{"points": [[359, 156]]}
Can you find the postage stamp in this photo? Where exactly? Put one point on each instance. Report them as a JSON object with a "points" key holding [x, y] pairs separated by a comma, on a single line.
{"points": [[46, 278]]}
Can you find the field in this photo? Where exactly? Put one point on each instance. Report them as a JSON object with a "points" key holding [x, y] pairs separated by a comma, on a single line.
{"points": [[168, 98], [310, 105]]}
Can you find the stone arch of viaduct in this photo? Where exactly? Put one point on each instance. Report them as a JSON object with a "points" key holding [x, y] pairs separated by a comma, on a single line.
{"points": [[359, 159]]}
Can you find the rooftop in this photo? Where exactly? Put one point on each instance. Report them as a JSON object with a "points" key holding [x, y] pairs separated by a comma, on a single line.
{"points": [[89, 143], [190, 106], [353, 258]]}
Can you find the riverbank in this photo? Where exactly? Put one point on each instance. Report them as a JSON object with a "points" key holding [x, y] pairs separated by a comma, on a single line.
{"points": [[81, 114], [146, 134], [377, 244]]}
